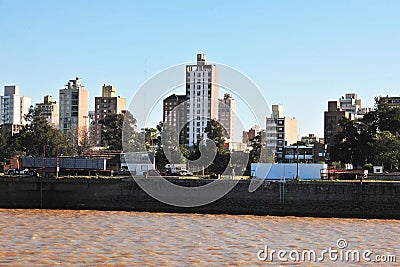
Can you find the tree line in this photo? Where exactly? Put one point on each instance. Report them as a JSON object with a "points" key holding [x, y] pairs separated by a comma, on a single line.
{"points": [[163, 141], [38, 138]]}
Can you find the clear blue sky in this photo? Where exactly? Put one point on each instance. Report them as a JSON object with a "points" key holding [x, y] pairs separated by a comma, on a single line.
{"points": [[300, 53]]}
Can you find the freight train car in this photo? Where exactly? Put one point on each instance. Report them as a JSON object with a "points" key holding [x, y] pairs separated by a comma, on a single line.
{"points": [[35, 166]]}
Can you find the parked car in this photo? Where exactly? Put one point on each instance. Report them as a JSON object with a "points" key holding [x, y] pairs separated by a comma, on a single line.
{"points": [[185, 173]]}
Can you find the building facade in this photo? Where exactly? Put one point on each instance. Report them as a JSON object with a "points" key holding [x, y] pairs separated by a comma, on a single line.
{"points": [[108, 103], [331, 122], [352, 104], [73, 111], [175, 114], [50, 111], [247, 136], [280, 131], [311, 139], [313, 153], [13, 108], [202, 94], [392, 101], [227, 116]]}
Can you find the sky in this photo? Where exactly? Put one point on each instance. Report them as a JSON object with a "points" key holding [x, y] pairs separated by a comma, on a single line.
{"points": [[301, 54]]}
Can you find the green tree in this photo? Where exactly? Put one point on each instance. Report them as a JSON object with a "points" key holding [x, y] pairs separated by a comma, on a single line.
{"points": [[117, 127], [168, 149], [352, 143], [39, 138], [259, 152], [366, 141], [215, 132], [387, 150], [7, 146]]}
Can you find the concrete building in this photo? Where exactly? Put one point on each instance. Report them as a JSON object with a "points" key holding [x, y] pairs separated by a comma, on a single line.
{"points": [[227, 116], [348, 106], [13, 108], [73, 111], [248, 135], [311, 139], [313, 153], [331, 122], [175, 114], [280, 131], [392, 101], [353, 105], [50, 111], [108, 103], [202, 94]]}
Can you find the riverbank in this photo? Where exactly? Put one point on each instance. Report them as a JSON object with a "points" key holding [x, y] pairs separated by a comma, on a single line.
{"points": [[314, 198]]}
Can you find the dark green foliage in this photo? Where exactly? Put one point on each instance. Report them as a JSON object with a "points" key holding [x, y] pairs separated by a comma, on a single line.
{"points": [[374, 139], [118, 128], [35, 139]]}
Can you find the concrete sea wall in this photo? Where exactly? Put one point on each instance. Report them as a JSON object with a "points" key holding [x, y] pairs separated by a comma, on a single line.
{"points": [[316, 198]]}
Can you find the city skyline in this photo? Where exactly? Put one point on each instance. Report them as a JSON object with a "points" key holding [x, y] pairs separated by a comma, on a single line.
{"points": [[276, 44]]}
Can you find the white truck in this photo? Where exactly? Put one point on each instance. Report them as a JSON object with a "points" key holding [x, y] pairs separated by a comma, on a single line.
{"points": [[277, 171]]}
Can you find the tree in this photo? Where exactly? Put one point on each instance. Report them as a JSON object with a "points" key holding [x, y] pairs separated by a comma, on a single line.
{"points": [[39, 138], [7, 147], [85, 139], [259, 152], [117, 127], [151, 138], [387, 150], [352, 143], [168, 149], [215, 132], [370, 140]]}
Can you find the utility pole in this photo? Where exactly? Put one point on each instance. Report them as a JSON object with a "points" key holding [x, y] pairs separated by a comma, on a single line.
{"points": [[44, 160], [297, 165], [58, 162]]}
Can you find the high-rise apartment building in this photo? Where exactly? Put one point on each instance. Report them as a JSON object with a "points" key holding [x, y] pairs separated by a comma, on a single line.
{"points": [[202, 94], [73, 111], [175, 114], [108, 103], [191, 113], [50, 111], [13, 108], [280, 131], [227, 115]]}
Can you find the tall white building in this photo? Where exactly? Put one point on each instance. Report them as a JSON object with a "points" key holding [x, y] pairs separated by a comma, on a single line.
{"points": [[13, 108], [74, 105], [227, 115], [280, 131], [202, 93]]}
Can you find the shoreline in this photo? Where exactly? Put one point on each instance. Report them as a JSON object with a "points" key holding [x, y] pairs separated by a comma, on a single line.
{"points": [[323, 199]]}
